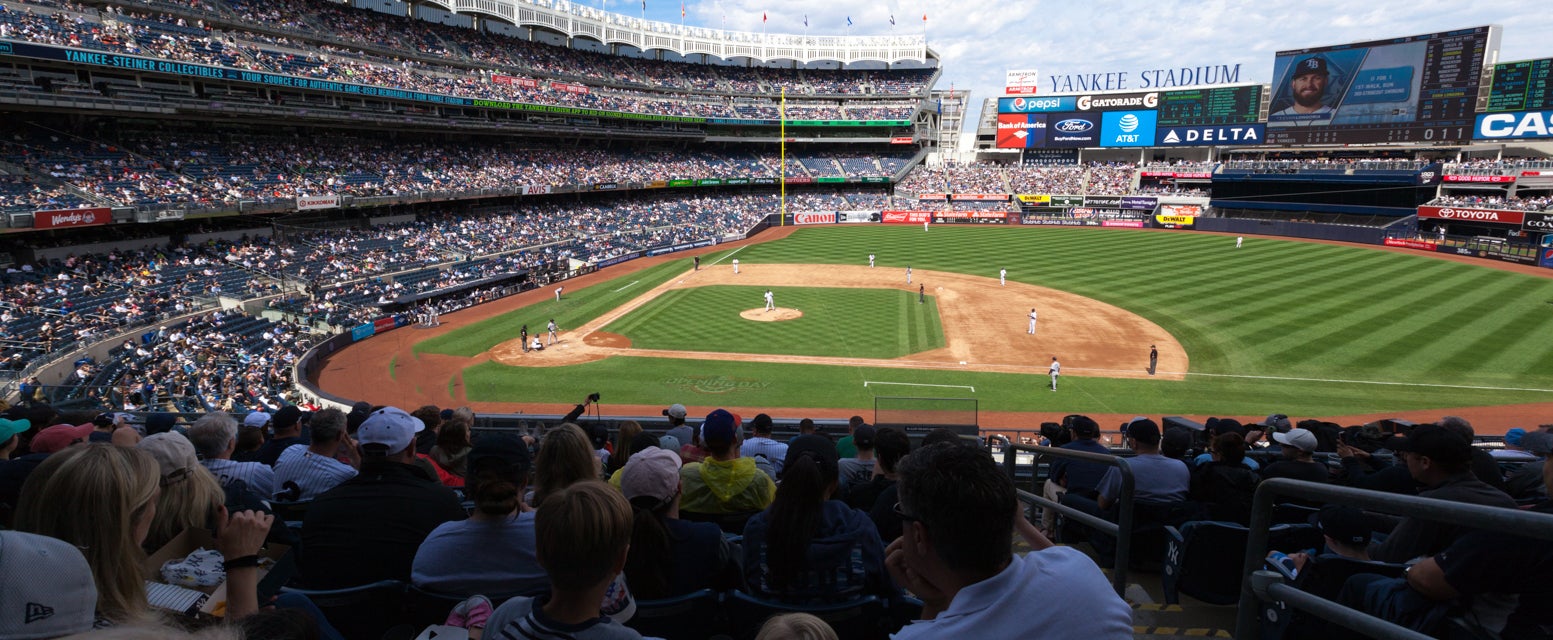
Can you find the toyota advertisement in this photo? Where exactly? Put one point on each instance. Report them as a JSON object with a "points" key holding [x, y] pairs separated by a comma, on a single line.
{"points": [[1021, 130], [1127, 128], [1467, 214]]}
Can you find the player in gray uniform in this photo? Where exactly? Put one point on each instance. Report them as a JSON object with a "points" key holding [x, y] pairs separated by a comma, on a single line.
{"points": [[1056, 370], [908, 274], [1032, 322], [552, 328], [870, 261], [1002, 277]]}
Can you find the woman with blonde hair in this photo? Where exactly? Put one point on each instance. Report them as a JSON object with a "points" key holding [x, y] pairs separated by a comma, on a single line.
{"points": [[565, 457], [118, 487], [191, 496], [796, 626], [102, 498]]}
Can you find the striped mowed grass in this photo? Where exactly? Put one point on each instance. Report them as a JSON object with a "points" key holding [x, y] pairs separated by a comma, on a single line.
{"points": [[1298, 328], [848, 323]]}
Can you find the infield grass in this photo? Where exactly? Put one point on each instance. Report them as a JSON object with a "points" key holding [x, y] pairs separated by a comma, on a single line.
{"points": [[850, 323], [1332, 314]]}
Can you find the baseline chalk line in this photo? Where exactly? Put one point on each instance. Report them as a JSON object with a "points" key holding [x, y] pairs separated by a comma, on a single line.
{"points": [[921, 384], [628, 286]]}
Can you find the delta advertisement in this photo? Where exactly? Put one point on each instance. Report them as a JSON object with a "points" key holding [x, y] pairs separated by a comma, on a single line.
{"points": [[906, 217], [1021, 130], [56, 218], [1467, 214], [1210, 135]]}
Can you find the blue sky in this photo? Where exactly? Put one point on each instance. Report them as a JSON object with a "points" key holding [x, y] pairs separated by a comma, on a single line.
{"points": [[977, 42]]}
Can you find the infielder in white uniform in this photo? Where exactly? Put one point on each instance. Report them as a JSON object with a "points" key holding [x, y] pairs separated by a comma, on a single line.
{"points": [[553, 338], [770, 301], [558, 293], [735, 265], [1032, 323], [1002, 277], [1239, 240], [1056, 370], [870, 261], [908, 274]]}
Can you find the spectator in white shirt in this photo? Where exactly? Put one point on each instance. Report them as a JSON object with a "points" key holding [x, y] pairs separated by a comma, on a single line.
{"points": [[215, 439], [763, 446], [304, 471]]}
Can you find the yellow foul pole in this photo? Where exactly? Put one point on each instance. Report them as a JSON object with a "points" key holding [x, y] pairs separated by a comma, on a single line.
{"points": [[782, 127]]}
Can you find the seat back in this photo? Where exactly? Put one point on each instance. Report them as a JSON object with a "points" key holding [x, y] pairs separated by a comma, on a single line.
{"points": [[365, 611], [423, 607], [860, 618], [1195, 562], [697, 614], [728, 522], [289, 512]]}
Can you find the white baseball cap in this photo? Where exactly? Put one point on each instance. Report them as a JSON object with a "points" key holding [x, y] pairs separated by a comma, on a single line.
{"points": [[256, 419], [390, 427], [1301, 439]]}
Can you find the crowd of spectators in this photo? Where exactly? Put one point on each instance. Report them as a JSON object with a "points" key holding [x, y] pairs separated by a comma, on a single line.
{"points": [[424, 61], [1092, 179], [1501, 166], [27, 193], [1515, 203]]}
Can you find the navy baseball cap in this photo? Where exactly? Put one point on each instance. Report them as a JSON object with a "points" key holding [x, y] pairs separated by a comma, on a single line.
{"points": [[1313, 64]]}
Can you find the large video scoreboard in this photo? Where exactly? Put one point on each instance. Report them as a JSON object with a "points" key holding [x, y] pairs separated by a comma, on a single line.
{"points": [[1180, 117], [1211, 105], [1413, 89], [1520, 102]]}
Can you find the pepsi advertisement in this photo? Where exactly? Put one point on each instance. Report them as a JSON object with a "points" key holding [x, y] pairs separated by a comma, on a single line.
{"points": [[1033, 104], [1073, 130], [1127, 128]]}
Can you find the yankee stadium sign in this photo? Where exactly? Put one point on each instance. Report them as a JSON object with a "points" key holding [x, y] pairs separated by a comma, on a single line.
{"points": [[1146, 79]]}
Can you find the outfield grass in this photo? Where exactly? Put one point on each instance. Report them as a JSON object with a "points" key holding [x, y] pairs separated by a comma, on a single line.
{"points": [[851, 323], [1332, 315]]}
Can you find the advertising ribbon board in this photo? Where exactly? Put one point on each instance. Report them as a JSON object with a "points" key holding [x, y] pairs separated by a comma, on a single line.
{"points": [[906, 217], [1488, 179], [1409, 243], [1176, 222], [1125, 224], [815, 217], [305, 203], [86, 217], [1470, 214]]}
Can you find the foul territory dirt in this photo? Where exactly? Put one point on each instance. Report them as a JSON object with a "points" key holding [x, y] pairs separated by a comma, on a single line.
{"points": [[985, 326]]}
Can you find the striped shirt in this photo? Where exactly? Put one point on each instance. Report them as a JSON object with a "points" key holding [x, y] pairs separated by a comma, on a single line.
{"points": [[775, 452], [524, 619], [258, 476], [312, 473]]}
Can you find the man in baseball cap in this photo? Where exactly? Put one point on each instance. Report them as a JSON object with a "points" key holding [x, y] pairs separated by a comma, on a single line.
{"points": [[678, 430], [368, 528], [60, 436], [1308, 88], [1298, 447], [1439, 459], [724, 482], [48, 587]]}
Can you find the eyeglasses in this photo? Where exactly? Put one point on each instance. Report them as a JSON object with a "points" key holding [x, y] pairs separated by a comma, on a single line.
{"points": [[905, 516]]}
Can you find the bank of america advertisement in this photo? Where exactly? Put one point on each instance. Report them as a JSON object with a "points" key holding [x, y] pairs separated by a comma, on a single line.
{"points": [[1021, 130]]}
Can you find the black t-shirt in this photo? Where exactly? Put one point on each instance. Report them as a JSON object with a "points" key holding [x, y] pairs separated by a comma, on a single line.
{"points": [[1309, 471], [368, 528], [1497, 562]]}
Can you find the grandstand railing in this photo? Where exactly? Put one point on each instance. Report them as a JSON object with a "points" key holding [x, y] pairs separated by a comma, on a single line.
{"points": [[1121, 529], [1258, 586]]}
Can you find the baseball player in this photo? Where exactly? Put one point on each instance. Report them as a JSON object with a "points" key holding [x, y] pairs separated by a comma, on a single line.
{"points": [[921, 293], [523, 337], [924, 225], [558, 293], [1032, 322], [908, 274], [1239, 240], [1056, 370], [1153, 358], [735, 265], [551, 327], [698, 263], [1002, 277], [770, 301], [870, 261]]}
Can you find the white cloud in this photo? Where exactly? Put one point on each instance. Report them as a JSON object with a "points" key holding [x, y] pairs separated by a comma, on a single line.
{"points": [[977, 42]]}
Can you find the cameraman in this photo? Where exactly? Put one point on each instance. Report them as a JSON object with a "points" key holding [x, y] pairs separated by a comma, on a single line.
{"points": [[1077, 476]]}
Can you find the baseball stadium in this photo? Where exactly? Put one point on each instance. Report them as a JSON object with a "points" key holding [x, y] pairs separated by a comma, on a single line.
{"points": [[434, 319]]}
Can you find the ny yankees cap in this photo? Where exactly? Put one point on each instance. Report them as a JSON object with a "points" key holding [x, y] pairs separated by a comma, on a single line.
{"points": [[390, 427], [48, 587]]}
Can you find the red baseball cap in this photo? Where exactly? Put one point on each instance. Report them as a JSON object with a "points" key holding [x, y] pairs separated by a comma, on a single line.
{"points": [[59, 437]]}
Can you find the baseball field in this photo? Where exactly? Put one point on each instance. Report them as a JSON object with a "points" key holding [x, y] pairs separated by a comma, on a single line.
{"points": [[1301, 328]]}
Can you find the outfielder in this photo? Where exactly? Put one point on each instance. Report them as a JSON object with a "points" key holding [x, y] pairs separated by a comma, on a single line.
{"points": [[1056, 370], [553, 338], [870, 261], [770, 301], [1002, 277], [1239, 240], [735, 265], [924, 225], [908, 274], [1032, 322]]}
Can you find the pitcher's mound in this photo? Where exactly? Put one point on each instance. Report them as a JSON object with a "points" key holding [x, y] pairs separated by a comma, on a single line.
{"points": [[776, 315]]}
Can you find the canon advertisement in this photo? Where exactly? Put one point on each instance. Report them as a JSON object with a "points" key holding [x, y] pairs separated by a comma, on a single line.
{"points": [[1466, 214], [56, 218], [1073, 130], [815, 217]]}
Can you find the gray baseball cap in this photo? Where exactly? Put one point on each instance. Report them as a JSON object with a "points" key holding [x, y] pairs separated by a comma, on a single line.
{"points": [[48, 587]]}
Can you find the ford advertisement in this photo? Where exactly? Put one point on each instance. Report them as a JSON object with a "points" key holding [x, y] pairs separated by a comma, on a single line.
{"points": [[1073, 130]]}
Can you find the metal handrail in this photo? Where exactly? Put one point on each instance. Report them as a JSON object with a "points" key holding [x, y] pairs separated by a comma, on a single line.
{"points": [[1121, 529], [1525, 523]]}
